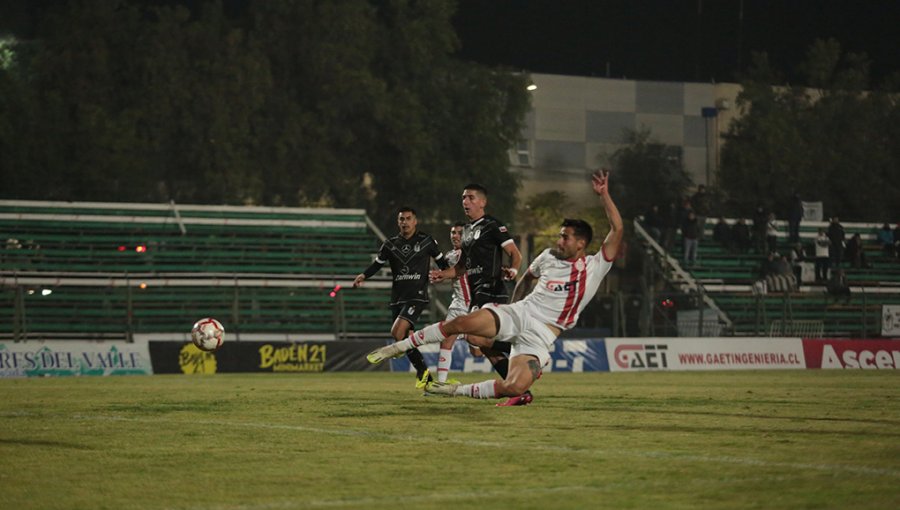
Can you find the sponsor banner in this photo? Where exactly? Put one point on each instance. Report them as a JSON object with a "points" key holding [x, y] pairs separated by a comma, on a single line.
{"points": [[277, 357], [72, 357], [642, 354], [813, 211], [890, 320], [570, 355], [857, 354]]}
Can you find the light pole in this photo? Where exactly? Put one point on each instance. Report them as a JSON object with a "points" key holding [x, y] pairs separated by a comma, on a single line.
{"points": [[708, 112]]}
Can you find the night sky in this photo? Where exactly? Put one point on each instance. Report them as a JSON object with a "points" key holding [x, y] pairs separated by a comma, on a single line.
{"points": [[663, 40], [667, 40]]}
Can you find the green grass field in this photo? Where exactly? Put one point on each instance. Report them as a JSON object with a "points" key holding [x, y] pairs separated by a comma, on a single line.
{"points": [[810, 439]]}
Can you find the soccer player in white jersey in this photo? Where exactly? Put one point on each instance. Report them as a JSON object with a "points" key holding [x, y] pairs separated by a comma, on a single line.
{"points": [[459, 305], [567, 279]]}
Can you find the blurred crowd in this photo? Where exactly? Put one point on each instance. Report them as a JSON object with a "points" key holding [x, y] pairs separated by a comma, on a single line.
{"points": [[831, 251]]}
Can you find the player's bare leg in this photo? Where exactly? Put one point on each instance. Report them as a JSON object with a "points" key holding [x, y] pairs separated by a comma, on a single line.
{"points": [[486, 346], [523, 371], [480, 323]]}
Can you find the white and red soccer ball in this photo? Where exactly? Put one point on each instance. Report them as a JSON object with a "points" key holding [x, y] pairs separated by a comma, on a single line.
{"points": [[208, 334]]}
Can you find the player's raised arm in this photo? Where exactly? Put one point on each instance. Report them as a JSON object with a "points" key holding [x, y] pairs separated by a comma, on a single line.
{"points": [[613, 242]]}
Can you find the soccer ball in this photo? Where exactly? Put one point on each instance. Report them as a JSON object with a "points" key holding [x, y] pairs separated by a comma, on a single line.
{"points": [[208, 334]]}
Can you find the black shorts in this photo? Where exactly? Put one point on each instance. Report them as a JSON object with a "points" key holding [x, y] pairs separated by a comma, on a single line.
{"points": [[408, 311], [479, 300]]}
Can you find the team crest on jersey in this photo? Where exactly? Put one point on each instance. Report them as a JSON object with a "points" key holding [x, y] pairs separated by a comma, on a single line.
{"points": [[417, 248], [579, 265], [477, 234]]}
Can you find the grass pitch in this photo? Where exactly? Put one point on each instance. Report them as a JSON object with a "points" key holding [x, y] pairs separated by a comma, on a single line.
{"points": [[810, 439]]}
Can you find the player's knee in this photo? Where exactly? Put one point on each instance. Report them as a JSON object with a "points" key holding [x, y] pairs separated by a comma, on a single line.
{"points": [[460, 324], [478, 342]]}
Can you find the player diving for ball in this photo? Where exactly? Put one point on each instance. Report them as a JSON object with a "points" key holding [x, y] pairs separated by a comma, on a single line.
{"points": [[565, 279]]}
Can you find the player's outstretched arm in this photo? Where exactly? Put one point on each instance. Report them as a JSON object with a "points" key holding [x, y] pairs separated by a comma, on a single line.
{"points": [[515, 260], [523, 286], [368, 273], [613, 242], [438, 275]]}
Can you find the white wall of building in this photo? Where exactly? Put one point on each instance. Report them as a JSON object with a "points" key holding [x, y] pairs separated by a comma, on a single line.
{"points": [[576, 123]]}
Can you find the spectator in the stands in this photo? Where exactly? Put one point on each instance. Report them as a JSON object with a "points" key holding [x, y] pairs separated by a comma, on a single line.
{"points": [[776, 273], [689, 236], [838, 286], [822, 260], [769, 266], [798, 256], [681, 212], [759, 229], [771, 233], [669, 225], [740, 236], [897, 240], [722, 234], [652, 221], [886, 239], [700, 203], [854, 252], [795, 215], [836, 237]]}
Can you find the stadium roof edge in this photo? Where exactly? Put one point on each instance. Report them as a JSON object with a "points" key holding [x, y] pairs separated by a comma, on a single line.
{"points": [[182, 207]]}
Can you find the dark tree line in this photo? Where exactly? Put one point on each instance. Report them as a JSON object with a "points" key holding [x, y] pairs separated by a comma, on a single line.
{"points": [[834, 138], [351, 104]]}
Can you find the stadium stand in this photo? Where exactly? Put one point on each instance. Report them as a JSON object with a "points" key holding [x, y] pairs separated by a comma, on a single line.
{"points": [[101, 270], [727, 280]]}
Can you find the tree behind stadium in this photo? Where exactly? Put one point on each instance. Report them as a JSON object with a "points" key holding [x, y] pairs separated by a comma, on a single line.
{"points": [[276, 102], [833, 139]]}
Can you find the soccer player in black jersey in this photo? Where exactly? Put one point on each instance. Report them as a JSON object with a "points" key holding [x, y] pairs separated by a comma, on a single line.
{"points": [[484, 242], [409, 253]]}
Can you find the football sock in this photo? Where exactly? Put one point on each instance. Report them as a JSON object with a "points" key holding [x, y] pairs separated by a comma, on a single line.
{"points": [[415, 357], [443, 368], [430, 334], [482, 390], [501, 366], [501, 346]]}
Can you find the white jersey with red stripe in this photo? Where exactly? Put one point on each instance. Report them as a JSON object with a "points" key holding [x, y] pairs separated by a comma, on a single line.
{"points": [[461, 296], [564, 287]]}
